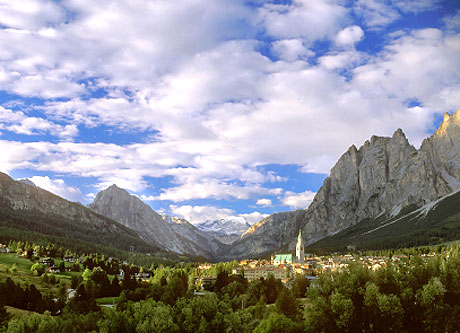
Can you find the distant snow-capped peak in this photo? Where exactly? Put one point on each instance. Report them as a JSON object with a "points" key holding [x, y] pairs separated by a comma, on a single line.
{"points": [[233, 225]]}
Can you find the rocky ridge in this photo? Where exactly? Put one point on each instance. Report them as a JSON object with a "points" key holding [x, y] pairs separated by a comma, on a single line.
{"points": [[383, 176], [170, 234], [31, 208]]}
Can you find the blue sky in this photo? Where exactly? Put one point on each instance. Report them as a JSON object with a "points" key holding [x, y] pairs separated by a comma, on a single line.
{"points": [[207, 109]]}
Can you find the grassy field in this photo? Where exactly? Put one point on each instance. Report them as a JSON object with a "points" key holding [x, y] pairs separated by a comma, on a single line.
{"points": [[108, 300], [15, 312], [24, 275]]}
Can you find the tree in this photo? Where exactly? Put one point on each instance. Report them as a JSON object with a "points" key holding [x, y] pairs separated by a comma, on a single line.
{"points": [[277, 323], [4, 316], [287, 304], [342, 308], [13, 269], [299, 286], [37, 269], [221, 281]]}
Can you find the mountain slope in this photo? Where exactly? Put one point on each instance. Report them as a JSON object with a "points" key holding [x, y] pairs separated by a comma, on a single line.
{"points": [[384, 176], [433, 223], [28, 209], [129, 210], [265, 236]]}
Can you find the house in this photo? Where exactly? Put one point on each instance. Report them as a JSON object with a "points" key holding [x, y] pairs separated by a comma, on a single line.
{"points": [[69, 258], [204, 267], [205, 282], [4, 248], [46, 261], [143, 276], [256, 273], [53, 269]]}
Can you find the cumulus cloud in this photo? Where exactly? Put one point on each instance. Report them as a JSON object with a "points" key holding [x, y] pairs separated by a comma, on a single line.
{"points": [[214, 189], [218, 106], [291, 49], [416, 6], [298, 200], [311, 20], [341, 60], [57, 186], [376, 13], [30, 14], [379, 13], [349, 35], [18, 122], [253, 217], [264, 202], [197, 214]]}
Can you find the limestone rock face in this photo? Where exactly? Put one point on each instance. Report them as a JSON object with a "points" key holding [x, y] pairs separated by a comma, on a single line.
{"points": [[169, 234], [381, 177]]}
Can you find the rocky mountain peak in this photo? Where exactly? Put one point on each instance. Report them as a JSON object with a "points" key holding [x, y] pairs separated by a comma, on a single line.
{"points": [[172, 234], [450, 125], [399, 134], [385, 175]]}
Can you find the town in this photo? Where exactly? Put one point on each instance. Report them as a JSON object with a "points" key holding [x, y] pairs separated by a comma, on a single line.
{"points": [[286, 267]]}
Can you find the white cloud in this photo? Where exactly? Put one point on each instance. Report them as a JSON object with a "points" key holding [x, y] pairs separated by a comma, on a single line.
{"points": [[298, 200], [416, 6], [30, 14], [291, 49], [350, 35], [264, 202], [197, 214], [379, 13], [452, 22], [253, 217], [376, 13], [340, 60], [57, 186], [419, 65], [214, 189], [219, 106], [311, 20], [18, 122]]}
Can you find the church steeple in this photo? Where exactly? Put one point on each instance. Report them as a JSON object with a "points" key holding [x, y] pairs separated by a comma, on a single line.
{"points": [[299, 250]]}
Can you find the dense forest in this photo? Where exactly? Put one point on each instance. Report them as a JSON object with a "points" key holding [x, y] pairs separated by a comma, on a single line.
{"points": [[420, 293]]}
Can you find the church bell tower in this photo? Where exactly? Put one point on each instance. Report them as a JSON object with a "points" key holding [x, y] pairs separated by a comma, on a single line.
{"points": [[299, 250]]}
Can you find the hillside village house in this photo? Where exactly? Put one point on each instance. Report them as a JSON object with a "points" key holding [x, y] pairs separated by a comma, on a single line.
{"points": [[256, 273], [4, 248]]}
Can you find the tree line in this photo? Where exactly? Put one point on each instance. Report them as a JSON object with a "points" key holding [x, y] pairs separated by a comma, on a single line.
{"points": [[416, 294]]}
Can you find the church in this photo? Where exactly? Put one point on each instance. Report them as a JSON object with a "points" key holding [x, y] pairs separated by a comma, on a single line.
{"points": [[281, 259]]}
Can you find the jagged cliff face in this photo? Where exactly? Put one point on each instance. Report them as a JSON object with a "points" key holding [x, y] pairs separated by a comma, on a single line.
{"points": [[170, 234], [383, 176]]}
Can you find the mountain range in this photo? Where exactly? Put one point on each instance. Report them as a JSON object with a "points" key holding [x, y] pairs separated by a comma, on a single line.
{"points": [[383, 178], [386, 192]]}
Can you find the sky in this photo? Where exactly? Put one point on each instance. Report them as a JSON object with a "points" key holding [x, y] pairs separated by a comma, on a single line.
{"points": [[207, 109]]}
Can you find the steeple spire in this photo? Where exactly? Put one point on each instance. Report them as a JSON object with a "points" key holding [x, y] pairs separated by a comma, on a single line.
{"points": [[299, 249]]}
